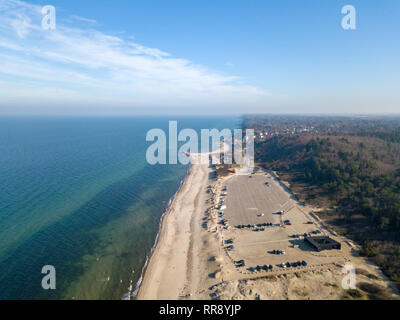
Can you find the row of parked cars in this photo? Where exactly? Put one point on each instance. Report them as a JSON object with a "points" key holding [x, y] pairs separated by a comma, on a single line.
{"points": [[305, 235], [294, 264], [259, 225], [261, 268], [270, 267]]}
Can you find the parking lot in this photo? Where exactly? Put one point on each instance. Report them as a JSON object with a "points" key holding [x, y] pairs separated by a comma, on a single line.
{"points": [[255, 229], [255, 200]]}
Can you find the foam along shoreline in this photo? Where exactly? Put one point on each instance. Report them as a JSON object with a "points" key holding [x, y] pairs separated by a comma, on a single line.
{"points": [[165, 275], [133, 292]]}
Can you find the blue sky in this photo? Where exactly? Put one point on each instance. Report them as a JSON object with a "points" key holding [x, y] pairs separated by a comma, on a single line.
{"points": [[234, 56]]}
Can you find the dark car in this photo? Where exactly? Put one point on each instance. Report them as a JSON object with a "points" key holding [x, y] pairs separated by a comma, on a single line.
{"points": [[304, 263]]}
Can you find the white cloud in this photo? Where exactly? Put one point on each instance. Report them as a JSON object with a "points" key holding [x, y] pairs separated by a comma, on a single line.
{"points": [[82, 19], [91, 63]]}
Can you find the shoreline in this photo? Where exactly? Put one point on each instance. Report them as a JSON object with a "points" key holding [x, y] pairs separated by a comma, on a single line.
{"points": [[171, 255], [175, 268], [133, 294]]}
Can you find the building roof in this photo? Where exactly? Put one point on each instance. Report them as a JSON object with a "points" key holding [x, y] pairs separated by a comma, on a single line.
{"points": [[323, 243]]}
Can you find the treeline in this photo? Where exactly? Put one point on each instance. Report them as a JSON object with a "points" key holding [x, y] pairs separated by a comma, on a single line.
{"points": [[389, 136]]}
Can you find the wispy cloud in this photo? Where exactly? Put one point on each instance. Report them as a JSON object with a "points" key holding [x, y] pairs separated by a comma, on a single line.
{"points": [[82, 19], [92, 64]]}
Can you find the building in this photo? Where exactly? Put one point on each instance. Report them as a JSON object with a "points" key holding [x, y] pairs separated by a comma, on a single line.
{"points": [[323, 243]]}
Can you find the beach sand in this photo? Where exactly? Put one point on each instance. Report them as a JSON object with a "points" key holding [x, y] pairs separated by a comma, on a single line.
{"points": [[169, 274]]}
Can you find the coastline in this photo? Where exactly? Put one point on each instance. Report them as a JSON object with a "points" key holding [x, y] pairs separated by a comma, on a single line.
{"points": [[132, 293], [178, 266], [171, 255]]}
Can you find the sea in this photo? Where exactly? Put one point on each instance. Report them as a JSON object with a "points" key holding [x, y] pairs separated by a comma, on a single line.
{"points": [[77, 193]]}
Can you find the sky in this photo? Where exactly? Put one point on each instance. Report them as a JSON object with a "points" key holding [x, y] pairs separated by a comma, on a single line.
{"points": [[199, 57]]}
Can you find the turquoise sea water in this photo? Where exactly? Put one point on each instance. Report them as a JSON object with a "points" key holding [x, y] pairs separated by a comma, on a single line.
{"points": [[78, 194]]}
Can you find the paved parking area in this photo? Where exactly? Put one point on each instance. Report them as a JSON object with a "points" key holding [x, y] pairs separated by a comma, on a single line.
{"points": [[247, 198]]}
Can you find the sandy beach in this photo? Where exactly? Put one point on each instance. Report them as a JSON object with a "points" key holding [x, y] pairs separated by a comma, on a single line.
{"points": [[168, 274]]}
